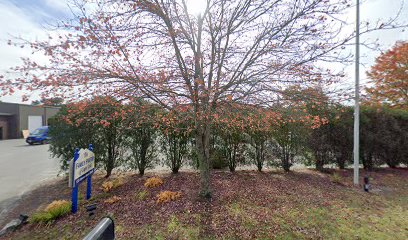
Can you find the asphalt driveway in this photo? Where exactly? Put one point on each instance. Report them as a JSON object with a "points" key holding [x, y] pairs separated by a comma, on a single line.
{"points": [[22, 168]]}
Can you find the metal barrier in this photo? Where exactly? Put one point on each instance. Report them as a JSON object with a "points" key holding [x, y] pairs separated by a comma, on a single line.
{"points": [[105, 230]]}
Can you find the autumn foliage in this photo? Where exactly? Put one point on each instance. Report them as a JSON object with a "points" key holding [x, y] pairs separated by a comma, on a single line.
{"points": [[243, 52], [153, 182], [98, 121], [167, 196], [389, 78], [107, 186]]}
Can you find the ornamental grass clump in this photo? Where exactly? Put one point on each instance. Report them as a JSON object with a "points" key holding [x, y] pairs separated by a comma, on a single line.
{"points": [[107, 186], [142, 195], [110, 185], [53, 211], [153, 182], [336, 178], [167, 196], [118, 182]]}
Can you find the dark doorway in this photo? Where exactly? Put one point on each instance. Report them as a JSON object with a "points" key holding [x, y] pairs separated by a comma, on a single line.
{"points": [[1, 133]]}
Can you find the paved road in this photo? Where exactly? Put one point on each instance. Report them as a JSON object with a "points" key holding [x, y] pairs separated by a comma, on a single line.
{"points": [[23, 167]]}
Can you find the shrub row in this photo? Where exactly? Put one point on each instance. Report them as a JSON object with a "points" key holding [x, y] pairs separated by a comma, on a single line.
{"points": [[139, 135]]}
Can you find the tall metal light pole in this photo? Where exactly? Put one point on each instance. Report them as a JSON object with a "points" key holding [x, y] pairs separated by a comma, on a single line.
{"points": [[356, 100]]}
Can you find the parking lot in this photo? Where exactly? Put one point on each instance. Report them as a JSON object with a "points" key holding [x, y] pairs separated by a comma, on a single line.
{"points": [[23, 167]]}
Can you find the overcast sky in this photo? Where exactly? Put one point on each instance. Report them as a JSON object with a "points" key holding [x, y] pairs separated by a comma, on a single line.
{"points": [[28, 18]]}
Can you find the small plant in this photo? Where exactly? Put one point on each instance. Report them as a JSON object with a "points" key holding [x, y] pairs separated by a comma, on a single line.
{"points": [[173, 224], [153, 182], [142, 195], [336, 178], [41, 217], [53, 211], [178, 230], [112, 200], [99, 196], [110, 185], [118, 182], [107, 186], [167, 196]]}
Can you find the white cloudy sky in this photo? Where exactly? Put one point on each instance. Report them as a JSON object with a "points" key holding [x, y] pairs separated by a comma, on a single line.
{"points": [[29, 18]]}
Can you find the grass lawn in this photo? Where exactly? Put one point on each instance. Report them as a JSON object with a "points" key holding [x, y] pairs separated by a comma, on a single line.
{"points": [[246, 205]]}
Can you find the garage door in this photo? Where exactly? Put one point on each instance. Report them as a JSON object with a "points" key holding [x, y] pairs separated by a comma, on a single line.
{"points": [[34, 122]]}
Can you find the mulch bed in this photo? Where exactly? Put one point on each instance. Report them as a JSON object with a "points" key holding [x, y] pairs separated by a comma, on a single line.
{"points": [[267, 192]]}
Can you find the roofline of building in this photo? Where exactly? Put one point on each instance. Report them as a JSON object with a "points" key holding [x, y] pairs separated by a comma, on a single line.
{"points": [[30, 105]]}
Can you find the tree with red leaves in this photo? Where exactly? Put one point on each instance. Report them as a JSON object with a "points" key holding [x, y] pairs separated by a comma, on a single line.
{"points": [[98, 121], [229, 127], [389, 77], [176, 130], [141, 134], [259, 125]]}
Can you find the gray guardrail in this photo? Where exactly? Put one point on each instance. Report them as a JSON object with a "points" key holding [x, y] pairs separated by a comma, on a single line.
{"points": [[105, 230]]}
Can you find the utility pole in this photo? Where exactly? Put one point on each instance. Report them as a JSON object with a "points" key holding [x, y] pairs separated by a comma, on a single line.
{"points": [[357, 100]]}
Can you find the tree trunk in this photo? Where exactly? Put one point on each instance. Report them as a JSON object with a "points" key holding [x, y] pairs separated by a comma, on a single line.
{"points": [[143, 151], [141, 171], [109, 167], [259, 165], [391, 160], [341, 162], [110, 161], [259, 157], [175, 169], [203, 154], [286, 164], [108, 172], [285, 160], [319, 165], [319, 161], [233, 160], [368, 161]]}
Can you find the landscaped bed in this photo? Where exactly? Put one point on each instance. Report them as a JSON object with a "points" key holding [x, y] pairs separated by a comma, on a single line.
{"points": [[245, 205]]}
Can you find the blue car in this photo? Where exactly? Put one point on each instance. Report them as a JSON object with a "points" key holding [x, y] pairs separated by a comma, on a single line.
{"points": [[39, 135]]}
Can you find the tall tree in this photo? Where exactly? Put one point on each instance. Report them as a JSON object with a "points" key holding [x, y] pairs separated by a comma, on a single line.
{"points": [[389, 77], [234, 51]]}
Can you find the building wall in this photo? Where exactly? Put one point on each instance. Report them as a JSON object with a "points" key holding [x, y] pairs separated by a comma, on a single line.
{"points": [[11, 108], [11, 121], [4, 127], [27, 110], [17, 117], [50, 112]]}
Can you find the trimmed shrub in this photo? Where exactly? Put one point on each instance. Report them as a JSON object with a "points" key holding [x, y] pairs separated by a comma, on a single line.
{"points": [[218, 160]]}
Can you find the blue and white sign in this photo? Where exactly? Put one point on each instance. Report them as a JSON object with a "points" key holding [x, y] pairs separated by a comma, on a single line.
{"points": [[80, 168], [83, 166]]}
